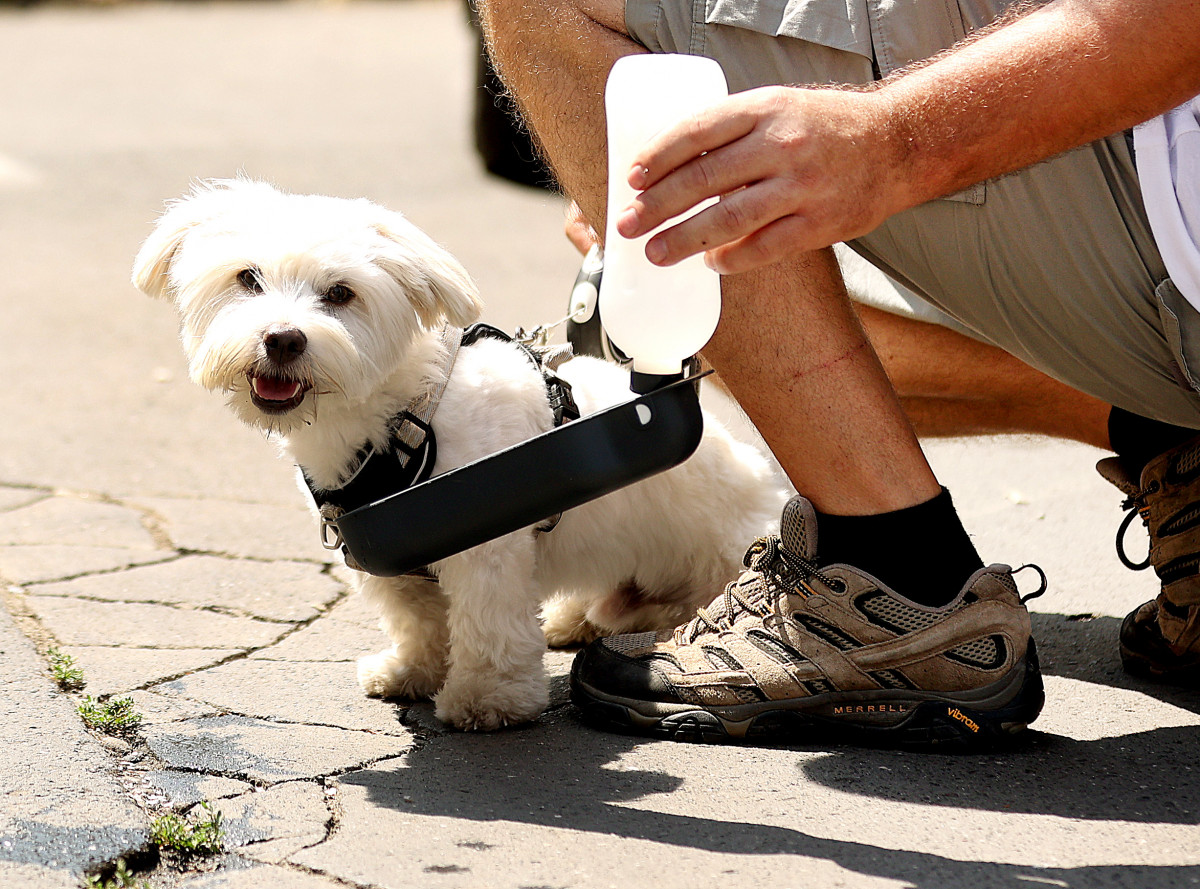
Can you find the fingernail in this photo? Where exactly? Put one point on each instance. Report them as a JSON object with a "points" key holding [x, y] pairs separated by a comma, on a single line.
{"points": [[627, 223], [711, 262], [637, 176], [656, 251]]}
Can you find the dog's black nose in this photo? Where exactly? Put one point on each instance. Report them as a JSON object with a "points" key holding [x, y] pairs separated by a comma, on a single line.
{"points": [[284, 344]]}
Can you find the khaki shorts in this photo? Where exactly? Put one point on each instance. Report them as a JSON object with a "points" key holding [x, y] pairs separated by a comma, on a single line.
{"points": [[1054, 264]]}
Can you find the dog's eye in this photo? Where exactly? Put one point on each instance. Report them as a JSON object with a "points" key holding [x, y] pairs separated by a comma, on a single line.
{"points": [[249, 279], [338, 294]]}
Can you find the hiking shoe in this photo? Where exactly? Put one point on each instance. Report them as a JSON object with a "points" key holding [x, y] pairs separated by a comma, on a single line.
{"points": [[793, 652], [1146, 653], [1160, 639]]}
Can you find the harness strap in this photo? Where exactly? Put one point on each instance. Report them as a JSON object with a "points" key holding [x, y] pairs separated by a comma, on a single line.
{"points": [[411, 449], [406, 460], [558, 390]]}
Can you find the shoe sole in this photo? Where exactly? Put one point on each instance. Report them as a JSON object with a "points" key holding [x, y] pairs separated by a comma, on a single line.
{"points": [[987, 717]]}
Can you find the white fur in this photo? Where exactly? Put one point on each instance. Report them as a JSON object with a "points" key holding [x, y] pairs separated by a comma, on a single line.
{"points": [[640, 558]]}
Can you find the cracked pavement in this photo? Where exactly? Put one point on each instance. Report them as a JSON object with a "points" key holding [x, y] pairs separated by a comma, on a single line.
{"points": [[167, 549]]}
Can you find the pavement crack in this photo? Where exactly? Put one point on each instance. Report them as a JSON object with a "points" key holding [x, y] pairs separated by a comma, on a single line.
{"points": [[154, 523], [99, 572], [333, 878], [241, 557], [39, 493], [209, 608], [333, 805]]}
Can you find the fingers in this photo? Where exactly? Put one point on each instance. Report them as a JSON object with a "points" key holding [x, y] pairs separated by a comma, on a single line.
{"points": [[711, 175], [773, 243], [683, 166], [734, 218], [720, 124]]}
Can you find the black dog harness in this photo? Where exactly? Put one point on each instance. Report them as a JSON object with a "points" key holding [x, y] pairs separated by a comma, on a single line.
{"points": [[408, 456]]}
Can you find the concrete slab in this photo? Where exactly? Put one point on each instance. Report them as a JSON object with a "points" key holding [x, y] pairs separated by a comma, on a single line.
{"points": [[67, 520], [77, 622], [235, 528], [261, 877], [353, 609], [111, 670], [269, 825], [61, 809], [328, 639], [16, 496], [156, 708], [40, 563], [535, 807], [186, 789], [275, 591], [267, 752], [310, 693]]}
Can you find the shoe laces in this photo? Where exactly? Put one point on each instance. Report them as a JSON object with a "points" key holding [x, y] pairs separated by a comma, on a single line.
{"points": [[1136, 507], [774, 572]]}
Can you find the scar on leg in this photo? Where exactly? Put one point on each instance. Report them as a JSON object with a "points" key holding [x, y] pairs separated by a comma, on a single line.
{"points": [[849, 353]]}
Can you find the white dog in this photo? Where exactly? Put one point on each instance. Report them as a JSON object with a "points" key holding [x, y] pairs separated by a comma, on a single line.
{"points": [[322, 319]]}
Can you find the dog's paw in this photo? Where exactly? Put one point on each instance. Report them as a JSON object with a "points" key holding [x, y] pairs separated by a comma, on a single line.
{"points": [[565, 623], [384, 675], [474, 707]]}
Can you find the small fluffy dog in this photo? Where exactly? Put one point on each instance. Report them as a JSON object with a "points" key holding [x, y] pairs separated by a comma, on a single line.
{"points": [[321, 319]]}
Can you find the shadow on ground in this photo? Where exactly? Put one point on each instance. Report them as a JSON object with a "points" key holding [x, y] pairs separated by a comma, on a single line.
{"points": [[545, 776], [571, 786]]}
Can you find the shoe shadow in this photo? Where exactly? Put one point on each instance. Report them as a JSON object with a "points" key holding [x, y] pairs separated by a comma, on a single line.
{"points": [[1084, 647], [558, 774], [1145, 777]]}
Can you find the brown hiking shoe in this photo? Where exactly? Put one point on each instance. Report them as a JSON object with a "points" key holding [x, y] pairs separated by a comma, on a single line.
{"points": [[798, 653], [1160, 639]]}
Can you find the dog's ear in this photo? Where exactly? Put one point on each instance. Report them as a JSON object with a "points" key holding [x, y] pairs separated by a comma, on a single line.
{"points": [[436, 282], [152, 267], [153, 264]]}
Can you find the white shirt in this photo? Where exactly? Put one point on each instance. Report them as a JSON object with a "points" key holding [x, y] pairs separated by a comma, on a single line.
{"points": [[1168, 164]]}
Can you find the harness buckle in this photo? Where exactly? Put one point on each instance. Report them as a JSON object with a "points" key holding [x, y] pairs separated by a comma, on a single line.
{"points": [[331, 534]]}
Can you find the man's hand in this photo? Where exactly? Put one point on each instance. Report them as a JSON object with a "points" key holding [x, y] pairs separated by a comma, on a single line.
{"points": [[795, 169], [578, 230]]}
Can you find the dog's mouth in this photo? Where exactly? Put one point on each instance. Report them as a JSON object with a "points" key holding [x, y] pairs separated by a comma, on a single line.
{"points": [[274, 395]]}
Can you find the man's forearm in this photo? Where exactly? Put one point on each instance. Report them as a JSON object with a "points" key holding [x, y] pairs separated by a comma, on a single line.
{"points": [[1062, 75], [798, 169]]}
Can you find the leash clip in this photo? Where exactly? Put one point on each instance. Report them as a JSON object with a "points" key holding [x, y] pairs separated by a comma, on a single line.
{"points": [[331, 534]]}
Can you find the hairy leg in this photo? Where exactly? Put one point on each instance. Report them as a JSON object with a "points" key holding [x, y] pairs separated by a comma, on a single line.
{"points": [[789, 346], [950, 385]]}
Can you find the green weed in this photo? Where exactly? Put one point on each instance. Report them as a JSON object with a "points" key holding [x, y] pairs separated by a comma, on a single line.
{"points": [[115, 717], [121, 879], [204, 836], [67, 674]]}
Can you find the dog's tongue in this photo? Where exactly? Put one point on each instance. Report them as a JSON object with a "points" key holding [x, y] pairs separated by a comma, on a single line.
{"points": [[275, 390]]}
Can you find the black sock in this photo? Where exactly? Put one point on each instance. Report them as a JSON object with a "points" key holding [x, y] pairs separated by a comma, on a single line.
{"points": [[1138, 440], [922, 552]]}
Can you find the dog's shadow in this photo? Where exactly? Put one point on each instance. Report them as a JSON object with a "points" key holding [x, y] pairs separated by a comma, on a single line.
{"points": [[559, 773]]}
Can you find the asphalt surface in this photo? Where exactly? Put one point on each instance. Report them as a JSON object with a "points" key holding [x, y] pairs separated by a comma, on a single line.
{"points": [[165, 548]]}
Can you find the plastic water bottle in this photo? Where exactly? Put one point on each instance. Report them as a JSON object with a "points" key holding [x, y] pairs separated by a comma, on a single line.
{"points": [[659, 316]]}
